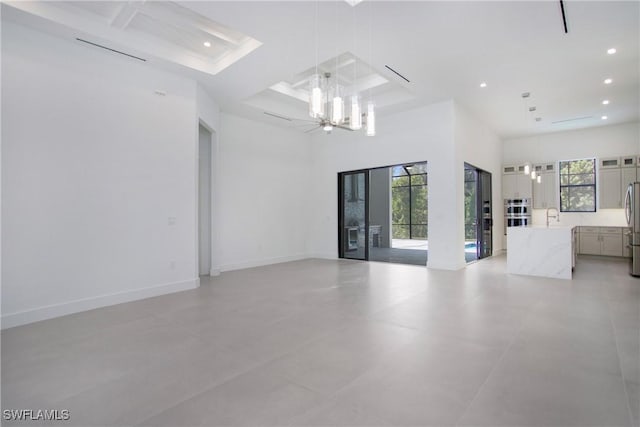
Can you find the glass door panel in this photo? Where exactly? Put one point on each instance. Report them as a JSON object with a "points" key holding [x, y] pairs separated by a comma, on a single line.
{"points": [[353, 220], [485, 234], [470, 213]]}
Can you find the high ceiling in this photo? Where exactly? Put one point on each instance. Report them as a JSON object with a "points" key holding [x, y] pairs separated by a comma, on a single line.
{"points": [[445, 49]]}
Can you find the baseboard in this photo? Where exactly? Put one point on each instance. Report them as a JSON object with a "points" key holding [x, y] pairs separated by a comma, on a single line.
{"points": [[324, 256], [214, 272], [261, 262], [450, 266], [48, 312]]}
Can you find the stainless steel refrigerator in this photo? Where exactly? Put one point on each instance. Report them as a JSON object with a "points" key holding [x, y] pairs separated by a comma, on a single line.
{"points": [[632, 211]]}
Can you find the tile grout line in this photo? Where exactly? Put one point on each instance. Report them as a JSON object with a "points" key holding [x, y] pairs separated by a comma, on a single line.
{"points": [[508, 347], [624, 382]]}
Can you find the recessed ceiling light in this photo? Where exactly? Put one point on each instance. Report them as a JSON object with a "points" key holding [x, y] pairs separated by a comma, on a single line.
{"points": [[483, 84], [207, 44], [605, 102], [611, 51], [604, 117], [608, 81]]}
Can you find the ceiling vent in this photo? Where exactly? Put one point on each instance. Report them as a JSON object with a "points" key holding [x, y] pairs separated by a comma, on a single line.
{"points": [[111, 50], [397, 74], [572, 120]]}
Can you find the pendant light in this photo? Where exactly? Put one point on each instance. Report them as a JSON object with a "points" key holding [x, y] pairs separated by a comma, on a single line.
{"points": [[337, 106], [355, 120], [371, 114], [371, 119], [316, 101], [337, 101]]}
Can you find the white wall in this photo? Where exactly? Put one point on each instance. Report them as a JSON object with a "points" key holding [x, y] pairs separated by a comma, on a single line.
{"points": [[423, 134], [604, 141], [265, 195], [479, 146], [94, 164]]}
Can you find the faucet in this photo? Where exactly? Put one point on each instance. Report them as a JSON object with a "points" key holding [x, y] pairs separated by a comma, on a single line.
{"points": [[556, 216]]}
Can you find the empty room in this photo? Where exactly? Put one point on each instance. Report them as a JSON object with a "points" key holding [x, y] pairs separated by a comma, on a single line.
{"points": [[320, 213]]}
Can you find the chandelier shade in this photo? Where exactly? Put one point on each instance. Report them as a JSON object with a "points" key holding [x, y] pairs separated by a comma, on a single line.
{"points": [[371, 119], [337, 105], [316, 97], [355, 120]]}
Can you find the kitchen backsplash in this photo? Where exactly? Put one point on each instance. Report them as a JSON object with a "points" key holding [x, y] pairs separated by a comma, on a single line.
{"points": [[603, 218]]}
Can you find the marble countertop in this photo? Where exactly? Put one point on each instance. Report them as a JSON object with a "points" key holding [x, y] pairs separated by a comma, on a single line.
{"points": [[540, 251]]}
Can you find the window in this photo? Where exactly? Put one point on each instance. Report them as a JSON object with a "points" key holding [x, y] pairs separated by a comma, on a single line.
{"points": [[578, 185], [409, 194]]}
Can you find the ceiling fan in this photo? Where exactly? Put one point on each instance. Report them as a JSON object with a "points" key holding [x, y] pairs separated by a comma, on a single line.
{"points": [[317, 124]]}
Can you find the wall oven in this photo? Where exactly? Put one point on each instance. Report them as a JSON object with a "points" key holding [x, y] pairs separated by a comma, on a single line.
{"points": [[517, 213], [517, 207]]}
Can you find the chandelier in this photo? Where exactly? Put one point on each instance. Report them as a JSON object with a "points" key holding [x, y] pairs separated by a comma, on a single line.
{"points": [[327, 98], [327, 104]]}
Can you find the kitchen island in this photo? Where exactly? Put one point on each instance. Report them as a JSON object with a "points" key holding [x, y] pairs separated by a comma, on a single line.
{"points": [[541, 251]]}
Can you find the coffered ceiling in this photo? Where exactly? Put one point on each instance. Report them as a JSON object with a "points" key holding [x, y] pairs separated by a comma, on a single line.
{"points": [[261, 52]]}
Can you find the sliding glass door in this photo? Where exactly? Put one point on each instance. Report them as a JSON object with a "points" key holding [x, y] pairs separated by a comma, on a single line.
{"points": [[478, 227], [353, 223]]}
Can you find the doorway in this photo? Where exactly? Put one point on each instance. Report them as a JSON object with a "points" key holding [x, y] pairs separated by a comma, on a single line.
{"points": [[204, 200], [383, 214], [478, 216]]}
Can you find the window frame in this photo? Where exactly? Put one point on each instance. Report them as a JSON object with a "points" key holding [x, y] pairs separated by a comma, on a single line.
{"points": [[410, 185], [569, 186]]}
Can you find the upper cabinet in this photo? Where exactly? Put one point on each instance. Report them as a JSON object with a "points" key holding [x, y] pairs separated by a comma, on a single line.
{"points": [[609, 162], [628, 161], [610, 181], [614, 180], [545, 192], [515, 184]]}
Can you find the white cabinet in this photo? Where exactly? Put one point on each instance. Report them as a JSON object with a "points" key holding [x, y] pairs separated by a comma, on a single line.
{"points": [[545, 192], [611, 244], [628, 161], [609, 162], [523, 186], [629, 175], [589, 241], [614, 181], [515, 184], [508, 186], [610, 182], [602, 241]]}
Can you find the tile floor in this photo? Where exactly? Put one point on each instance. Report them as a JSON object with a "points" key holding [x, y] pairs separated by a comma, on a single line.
{"points": [[345, 343]]}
